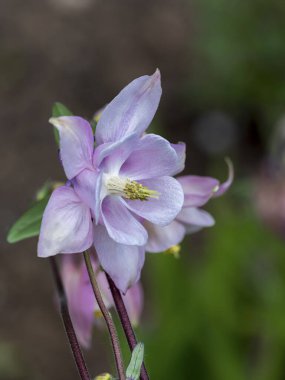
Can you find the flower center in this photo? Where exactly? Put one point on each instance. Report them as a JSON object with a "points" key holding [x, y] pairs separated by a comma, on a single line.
{"points": [[129, 189]]}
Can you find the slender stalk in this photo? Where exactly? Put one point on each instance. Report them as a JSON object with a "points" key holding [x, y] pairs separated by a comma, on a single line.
{"points": [[68, 326], [107, 317], [125, 321]]}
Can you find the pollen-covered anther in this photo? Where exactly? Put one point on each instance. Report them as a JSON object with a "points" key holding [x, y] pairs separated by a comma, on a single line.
{"points": [[174, 250], [134, 190], [130, 189], [98, 314]]}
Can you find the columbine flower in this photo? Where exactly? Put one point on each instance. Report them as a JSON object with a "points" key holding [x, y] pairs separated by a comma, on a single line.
{"points": [[197, 192], [83, 307], [126, 179]]}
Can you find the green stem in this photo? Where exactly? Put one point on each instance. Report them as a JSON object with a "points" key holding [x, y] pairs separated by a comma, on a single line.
{"points": [[107, 317]]}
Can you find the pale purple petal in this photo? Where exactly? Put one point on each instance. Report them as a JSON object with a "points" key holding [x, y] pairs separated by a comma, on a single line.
{"points": [[88, 185], [162, 238], [152, 157], [191, 229], [121, 224], [197, 189], [115, 153], [105, 290], [122, 262], [101, 281], [196, 217], [132, 110], [164, 209], [76, 143], [85, 185], [66, 224], [225, 186], [180, 150], [133, 301]]}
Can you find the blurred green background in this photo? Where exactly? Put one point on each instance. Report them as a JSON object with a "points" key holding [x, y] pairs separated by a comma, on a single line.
{"points": [[218, 312]]}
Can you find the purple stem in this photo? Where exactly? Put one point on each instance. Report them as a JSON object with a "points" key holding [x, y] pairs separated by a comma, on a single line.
{"points": [[125, 321], [107, 316], [68, 326]]}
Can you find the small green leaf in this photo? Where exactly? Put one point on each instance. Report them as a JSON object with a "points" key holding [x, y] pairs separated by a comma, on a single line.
{"points": [[93, 124], [58, 110], [96, 118], [134, 368], [45, 190], [29, 223]]}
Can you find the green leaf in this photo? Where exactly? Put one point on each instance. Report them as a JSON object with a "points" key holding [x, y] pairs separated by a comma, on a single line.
{"points": [[134, 368], [93, 124], [46, 189], [58, 110], [29, 223]]}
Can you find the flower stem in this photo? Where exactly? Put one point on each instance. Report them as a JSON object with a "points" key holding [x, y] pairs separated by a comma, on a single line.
{"points": [[107, 317], [68, 326], [125, 321]]}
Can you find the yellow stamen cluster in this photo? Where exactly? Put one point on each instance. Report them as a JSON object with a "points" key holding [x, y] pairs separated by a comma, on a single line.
{"points": [[98, 314], [129, 189], [134, 190], [174, 250], [104, 376]]}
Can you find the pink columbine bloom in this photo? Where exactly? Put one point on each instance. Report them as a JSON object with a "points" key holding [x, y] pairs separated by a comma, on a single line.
{"points": [[198, 191], [83, 307], [126, 179]]}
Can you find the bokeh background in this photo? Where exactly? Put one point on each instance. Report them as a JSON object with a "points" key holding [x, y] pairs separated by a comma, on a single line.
{"points": [[218, 312]]}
